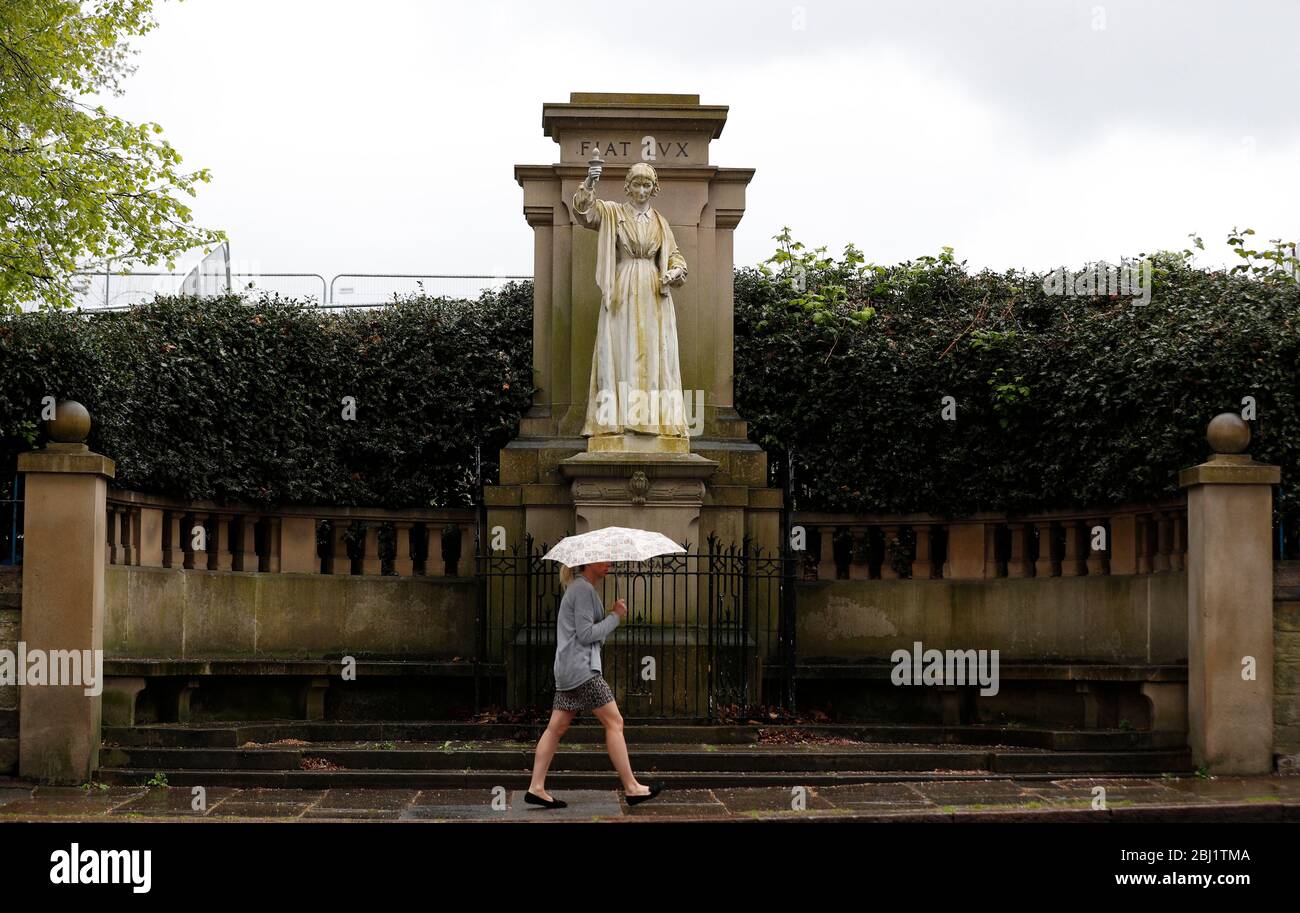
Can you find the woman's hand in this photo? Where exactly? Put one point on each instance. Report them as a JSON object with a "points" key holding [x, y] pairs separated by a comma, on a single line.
{"points": [[675, 276], [620, 609]]}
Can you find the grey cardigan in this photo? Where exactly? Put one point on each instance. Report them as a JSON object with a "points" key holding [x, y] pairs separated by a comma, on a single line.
{"points": [[579, 632]]}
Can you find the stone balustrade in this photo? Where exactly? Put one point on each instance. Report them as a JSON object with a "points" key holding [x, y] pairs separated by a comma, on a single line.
{"points": [[151, 531], [1135, 539]]}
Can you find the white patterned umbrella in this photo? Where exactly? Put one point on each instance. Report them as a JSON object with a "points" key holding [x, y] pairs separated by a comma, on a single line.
{"points": [[612, 543]]}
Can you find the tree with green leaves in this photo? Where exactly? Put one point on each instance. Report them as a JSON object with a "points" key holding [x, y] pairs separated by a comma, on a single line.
{"points": [[79, 187]]}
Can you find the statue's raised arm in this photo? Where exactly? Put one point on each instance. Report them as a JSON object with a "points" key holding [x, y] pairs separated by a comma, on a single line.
{"points": [[584, 197]]}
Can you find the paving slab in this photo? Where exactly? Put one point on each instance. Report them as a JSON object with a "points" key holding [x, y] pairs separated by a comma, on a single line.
{"points": [[679, 810], [453, 797], [360, 799], [265, 794], [231, 808], [353, 814], [1238, 787], [873, 795], [978, 793], [739, 800], [1118, 793], [50, 807], [671, 796], [14, 793], [1226, 799], [176, 800], [475, 812], [583, 804]]}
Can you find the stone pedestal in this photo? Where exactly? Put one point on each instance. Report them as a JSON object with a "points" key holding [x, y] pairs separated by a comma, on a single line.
{"points": [[1230, 612], [662, 492], [65, 531]]}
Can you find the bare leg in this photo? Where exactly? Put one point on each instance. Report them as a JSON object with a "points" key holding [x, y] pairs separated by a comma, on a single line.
{"points": [[612, 720], [546, 745]]}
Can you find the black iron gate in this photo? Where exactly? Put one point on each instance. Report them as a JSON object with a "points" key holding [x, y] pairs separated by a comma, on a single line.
{"points": [[708, 634]]}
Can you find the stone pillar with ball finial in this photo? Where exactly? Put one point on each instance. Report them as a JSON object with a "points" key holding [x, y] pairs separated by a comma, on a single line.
{"points": [[1230, 604], [64, 531]]}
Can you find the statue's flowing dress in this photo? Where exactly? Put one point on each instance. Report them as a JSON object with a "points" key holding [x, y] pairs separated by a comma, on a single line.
{"points": [[636, 335]]}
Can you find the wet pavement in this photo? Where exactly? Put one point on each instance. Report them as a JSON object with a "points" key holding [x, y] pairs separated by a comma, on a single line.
{"points": [[1236, 799]]}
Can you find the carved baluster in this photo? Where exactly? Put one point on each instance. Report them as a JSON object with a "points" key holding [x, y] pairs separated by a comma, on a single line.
{"points": [[1047, 564], [859, 560], [465, 566], [993, 565], [221, 557], [826, 561], [270, 562], [1144, 544], [1178, 555], [342, 561], [420, 546], [173, 540], [1018, 561], [403, 565], [245, 544], [131, 522], [111, 529], [371, 563], [124, 550], [1097, 559], [922, 565], [887, 569], [193, 528], [1164, 542], [1074, 563]]}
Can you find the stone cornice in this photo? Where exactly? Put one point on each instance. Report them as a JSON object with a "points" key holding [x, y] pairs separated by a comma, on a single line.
{"points": [[1230, 469], [665, 172]]}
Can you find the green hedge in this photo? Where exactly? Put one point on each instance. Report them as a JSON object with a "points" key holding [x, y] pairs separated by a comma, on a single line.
{"points": [[1060, 401], [233, 400]]}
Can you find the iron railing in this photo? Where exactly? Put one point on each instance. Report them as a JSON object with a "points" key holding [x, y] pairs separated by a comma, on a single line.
{"points": [[11, 520], [707, 636]]}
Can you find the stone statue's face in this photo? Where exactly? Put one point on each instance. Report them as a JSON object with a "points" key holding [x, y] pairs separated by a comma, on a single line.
{"points": [[640, 188]]}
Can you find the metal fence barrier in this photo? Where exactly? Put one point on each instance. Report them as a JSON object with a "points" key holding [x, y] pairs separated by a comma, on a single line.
{"points": [[119, 291], [370, 289]]}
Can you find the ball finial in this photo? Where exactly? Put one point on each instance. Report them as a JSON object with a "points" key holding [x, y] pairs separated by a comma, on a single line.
{"points": [[71, 423], [1228, 433]]}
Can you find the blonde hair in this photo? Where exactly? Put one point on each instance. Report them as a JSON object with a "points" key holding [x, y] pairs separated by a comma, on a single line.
{"points": [[568, 573]]}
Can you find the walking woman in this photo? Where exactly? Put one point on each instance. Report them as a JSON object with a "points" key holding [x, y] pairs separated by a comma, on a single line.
{"points": [[579, 632]]}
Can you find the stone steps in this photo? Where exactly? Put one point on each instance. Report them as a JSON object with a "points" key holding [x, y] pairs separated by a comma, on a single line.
{"points": [[569, 779], [426, 755], [236, 734], [682, 758]]}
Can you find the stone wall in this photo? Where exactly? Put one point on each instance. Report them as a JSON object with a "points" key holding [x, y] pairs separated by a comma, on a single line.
{"points": [[1286, 665], [11, 601], [1125, 619], [159, 613]]}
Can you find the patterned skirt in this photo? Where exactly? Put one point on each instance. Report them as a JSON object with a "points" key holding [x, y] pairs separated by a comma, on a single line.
{"points": [[592, 693]]}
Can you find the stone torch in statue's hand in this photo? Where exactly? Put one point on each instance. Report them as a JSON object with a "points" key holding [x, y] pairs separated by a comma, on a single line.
{"points": [[594, 166]]}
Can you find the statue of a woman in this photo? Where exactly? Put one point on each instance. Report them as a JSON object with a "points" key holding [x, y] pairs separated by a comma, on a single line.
{"points": [[636, 382]]}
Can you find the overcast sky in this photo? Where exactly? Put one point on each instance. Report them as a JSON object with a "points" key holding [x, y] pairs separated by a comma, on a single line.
{"points": [[381, 136]]}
